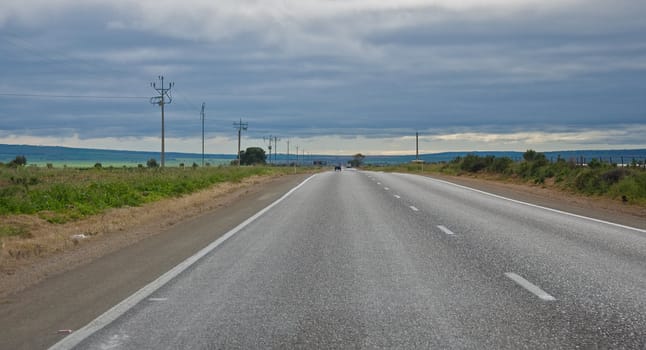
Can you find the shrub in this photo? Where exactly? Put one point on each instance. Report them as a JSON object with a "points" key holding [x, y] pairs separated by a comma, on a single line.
{"points": [[594, 164], [587, 181], [501, 165], [18, 161], [98, 165], [613, 176], [473, 163], [152, 163]]}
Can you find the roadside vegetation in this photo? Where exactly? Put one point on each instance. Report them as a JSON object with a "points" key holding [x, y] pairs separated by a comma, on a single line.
{"points": [[623, 183], [60, 195]]}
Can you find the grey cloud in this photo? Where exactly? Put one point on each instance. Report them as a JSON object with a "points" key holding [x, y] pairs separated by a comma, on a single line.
{"points": [[311, 68]]}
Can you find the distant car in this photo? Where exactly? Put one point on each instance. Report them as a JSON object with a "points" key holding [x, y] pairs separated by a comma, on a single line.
{"points": [[337, 168]]}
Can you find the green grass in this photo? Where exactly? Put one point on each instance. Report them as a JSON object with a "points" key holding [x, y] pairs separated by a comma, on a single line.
{"points": [[60, 195]]}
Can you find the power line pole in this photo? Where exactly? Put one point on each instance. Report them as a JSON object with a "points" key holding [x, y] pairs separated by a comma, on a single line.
{"points": [[203, 116], [270, 138], [276, 139], [161, 100], [240, 126], [417, 146]]}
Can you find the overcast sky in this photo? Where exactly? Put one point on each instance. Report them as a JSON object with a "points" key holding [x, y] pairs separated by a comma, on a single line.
{"points": [[332, 76]]}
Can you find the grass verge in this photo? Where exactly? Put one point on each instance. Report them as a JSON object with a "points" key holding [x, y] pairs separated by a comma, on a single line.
{"points": [[63, 195]]}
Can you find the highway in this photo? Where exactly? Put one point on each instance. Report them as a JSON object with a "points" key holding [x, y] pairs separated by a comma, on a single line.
{"points": [[358, 259]]}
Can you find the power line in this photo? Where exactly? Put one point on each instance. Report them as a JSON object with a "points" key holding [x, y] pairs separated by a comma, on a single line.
{"points": [[73, 96]]}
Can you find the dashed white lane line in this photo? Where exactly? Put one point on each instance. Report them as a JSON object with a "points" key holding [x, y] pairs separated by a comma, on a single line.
{"points": [[530, 287], [378, 183], [157, 299], [397, 196], [413, 208], [445, 230], [386, 188]]}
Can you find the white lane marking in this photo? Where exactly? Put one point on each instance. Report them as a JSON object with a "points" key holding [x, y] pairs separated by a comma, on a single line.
{"points": [[378, 183], [397, 196], [116, 311], [530, 287], [386, 188], [445, 230], [541, 207], [157, 299], [414, 209]]}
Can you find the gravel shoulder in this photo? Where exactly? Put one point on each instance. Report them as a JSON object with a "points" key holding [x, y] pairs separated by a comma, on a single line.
{"points": [[41, 296]]}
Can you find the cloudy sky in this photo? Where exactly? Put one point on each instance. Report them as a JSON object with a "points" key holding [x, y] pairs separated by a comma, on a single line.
{"points": [[331, 76]]}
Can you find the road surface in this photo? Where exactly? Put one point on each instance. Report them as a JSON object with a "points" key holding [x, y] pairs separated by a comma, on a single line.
{"points": [[374, 260]]}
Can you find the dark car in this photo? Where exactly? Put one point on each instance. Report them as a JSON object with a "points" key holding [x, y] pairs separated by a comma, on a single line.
{"points": [[337, 168]]}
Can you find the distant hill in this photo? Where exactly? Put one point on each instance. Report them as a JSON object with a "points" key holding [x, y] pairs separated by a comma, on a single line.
{"points": [[59, 156], [614, 156], [82, 157]]}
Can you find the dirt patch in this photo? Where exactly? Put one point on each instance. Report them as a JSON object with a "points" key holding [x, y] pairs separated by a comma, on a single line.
{"points": [[54, 248]]}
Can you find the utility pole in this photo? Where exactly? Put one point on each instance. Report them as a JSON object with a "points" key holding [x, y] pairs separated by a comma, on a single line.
{"points": [[288, 152], [163, 98], [202, 115], [270, 138], [416, 145], [276, 139], [240, 126]]}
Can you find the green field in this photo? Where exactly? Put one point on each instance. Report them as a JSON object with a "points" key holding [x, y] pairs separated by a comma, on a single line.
{"points": [[63, 194]]}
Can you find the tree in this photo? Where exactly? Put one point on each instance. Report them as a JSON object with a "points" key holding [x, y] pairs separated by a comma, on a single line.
{"points": [[357, 160], [152, 163], [18, 161], [253, 155]]}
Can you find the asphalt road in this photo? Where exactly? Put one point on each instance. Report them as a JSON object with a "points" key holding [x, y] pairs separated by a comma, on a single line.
{"points": [[374, 260]]}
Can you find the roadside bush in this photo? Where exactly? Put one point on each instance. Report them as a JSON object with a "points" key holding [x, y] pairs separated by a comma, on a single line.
{"points": [[594, 164], [613, 176], [18, 161], [152, 163], [588, 182], [632, 186], [473, 163], [501, 165]]}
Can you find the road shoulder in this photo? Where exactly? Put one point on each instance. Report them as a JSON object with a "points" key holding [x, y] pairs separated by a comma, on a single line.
{"points": [[594, 207]]}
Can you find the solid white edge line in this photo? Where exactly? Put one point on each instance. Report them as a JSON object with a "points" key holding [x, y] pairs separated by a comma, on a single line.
{"points": [[445, 230], [530, 286], [538, 206], [116, 311], [413, 208]]}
